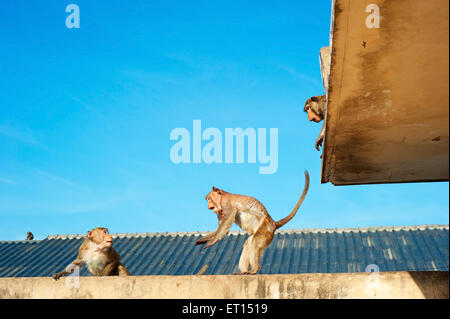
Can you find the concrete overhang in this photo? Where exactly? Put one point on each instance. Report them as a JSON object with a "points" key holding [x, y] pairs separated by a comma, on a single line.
{"points": [[388, 101]]}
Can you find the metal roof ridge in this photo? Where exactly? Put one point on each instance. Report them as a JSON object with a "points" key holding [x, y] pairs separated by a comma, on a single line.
{"points": [[281, 231], [20, 241], [365, 229], [131, 235]]}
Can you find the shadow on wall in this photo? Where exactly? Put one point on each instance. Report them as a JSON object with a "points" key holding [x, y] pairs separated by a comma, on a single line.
{"points": [[433, 285]]}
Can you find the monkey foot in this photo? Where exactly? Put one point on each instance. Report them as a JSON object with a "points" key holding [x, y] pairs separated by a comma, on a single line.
{"points": [[245, 273]]}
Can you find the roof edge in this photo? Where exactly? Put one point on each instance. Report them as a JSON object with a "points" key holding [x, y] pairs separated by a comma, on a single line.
{"points": [[282, 231]]}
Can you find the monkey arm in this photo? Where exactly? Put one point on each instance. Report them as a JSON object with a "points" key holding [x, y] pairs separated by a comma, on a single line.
{"points": [[319, 140], [122, 271], [111, 269], [225, 222], [69, 269], [206, 238], [114, 267]]}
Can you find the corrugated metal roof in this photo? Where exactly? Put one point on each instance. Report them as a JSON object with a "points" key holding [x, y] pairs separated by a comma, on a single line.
{"points": [[406, 248]]}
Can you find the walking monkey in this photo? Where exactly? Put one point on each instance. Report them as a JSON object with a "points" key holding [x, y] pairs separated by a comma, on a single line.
{"points": [[249, 214], [97, 253]]}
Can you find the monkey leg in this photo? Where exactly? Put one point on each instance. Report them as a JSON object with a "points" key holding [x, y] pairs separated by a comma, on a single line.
{"points": [[244, 262], [260, 241]]}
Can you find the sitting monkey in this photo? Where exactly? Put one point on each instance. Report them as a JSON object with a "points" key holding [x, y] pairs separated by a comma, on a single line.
{"points": [[316, 109], [251, 215], [97, 253]]}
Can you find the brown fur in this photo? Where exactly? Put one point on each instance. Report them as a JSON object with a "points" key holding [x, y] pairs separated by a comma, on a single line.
{"points": [[97, 253], [251, 215], [316, 108], [317, 104]]}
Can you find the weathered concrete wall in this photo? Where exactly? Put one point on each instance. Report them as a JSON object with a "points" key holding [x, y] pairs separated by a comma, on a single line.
{"points": [[348, 285], [324, 59], [388, 98]]}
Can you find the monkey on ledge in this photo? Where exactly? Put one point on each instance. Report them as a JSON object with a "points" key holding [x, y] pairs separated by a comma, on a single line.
{"points": [[316, 108], [251, 215], [97, 253]]}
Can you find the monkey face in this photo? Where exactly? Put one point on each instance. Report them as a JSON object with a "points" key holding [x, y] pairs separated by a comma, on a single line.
{"points": [[101, 236], [108, 240], [311, 108], [213, 199], [313, 116]]}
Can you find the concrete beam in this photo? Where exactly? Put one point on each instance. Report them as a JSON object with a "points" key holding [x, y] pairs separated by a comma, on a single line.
{"points": [[388, 99], [342, 285]]}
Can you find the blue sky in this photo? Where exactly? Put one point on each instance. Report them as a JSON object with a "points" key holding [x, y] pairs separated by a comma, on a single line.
{"points": [[86, 115]]}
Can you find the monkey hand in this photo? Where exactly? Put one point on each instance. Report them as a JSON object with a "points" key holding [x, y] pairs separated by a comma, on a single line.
{"points": [[211, 243], [201, 241], [319, 142], [57, 276]]}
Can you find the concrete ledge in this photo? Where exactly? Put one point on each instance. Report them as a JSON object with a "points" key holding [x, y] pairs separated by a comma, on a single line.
{"points": [[376, 128], [345, 285]]}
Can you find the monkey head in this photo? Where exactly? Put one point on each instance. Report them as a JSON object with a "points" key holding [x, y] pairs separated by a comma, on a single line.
{"points": [[214, 200], [100, 236], [313, 110]]}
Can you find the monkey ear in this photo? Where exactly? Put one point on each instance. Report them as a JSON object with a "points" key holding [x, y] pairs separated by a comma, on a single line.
{"points": [[89, 234]]}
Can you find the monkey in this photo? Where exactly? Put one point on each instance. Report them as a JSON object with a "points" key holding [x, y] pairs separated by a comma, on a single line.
{"points": [[30, 236], [316, 109], [250, 215], [97, 253]]}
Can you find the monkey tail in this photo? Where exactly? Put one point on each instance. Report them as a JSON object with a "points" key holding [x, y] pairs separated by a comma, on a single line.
{"points": [[283, 221]]}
